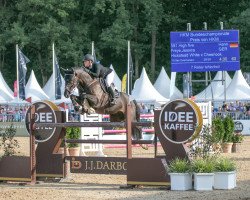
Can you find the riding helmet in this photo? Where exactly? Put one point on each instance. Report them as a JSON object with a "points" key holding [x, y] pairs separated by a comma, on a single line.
{"points": [[88, 57]]}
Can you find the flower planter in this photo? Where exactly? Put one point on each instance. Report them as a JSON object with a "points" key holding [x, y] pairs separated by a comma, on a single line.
{"points": [[203, 181], [74, 151], [227, 147], [224, 180], [181, 181], [236, 148]]}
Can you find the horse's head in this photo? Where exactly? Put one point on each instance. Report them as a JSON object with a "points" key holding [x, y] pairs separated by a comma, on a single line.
{"points": [[71, 81]]}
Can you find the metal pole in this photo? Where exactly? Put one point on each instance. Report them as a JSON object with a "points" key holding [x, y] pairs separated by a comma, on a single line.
{"points": [[223, 72], [53, 65], [92, 47], [17, 74], [206, 73], [128, 74], [189, 74]]}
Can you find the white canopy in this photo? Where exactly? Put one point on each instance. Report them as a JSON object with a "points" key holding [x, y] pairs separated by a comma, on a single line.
{"points": [[145, 92], [238, 89], [16, 101], [49, 87], [162, 85], [214, 89], [117, 80], [6, 94], [33, 89]]}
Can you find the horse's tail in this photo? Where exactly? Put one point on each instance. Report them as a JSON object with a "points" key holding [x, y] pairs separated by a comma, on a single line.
{"points": [[137, 111]]}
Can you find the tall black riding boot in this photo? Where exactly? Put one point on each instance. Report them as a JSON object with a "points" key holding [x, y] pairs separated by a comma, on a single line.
{"points": [[112, 95]]}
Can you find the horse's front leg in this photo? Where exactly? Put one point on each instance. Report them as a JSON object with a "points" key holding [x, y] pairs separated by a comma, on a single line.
{"points": [[92, 99], [75, 101]]}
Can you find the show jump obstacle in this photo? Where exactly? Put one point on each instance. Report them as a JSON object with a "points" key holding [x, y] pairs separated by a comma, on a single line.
{"points": [[178, 122]]}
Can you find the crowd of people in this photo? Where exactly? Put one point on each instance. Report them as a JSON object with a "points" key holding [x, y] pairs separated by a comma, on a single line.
{"points": [[10, 113], [237, 110]]}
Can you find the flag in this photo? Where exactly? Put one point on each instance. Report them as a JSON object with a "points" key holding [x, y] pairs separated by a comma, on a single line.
{"points": [[22, 69], [124, 80], [15, 88], [63, 106], [234, 45], [58, 79], [29, 100], [130, 74]]}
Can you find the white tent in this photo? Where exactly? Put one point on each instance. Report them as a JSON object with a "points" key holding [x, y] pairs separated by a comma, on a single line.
{"points": [[145, 92], [49, 90], [117, 80], [49, 87], [162, 85], [17, 101], [214, 89], [238, 89], [33, 89], [6, 94]]}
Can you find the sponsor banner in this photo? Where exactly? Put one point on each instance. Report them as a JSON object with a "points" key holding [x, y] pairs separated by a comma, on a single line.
{"points": [[98, 165], [180, 121], [19, 126], [44, 113]]}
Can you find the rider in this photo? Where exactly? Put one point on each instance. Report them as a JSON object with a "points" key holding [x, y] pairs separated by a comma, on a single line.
{"points": [[97, 70]]}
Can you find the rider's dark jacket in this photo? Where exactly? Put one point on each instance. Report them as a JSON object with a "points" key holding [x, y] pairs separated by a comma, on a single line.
{"points": [[97, 70]]}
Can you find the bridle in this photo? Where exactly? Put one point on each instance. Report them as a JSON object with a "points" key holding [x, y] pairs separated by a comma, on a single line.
{"points": [[72, 84]]}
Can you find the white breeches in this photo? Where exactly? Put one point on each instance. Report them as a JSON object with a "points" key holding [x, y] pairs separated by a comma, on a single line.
{"points": [[110, 78]]}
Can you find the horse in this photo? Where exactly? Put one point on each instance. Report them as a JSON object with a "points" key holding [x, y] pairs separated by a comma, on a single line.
{"points": [[92, 96]]}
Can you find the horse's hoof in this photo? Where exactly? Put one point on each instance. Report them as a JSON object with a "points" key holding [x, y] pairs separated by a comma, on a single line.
{"points": [[92, 110]]}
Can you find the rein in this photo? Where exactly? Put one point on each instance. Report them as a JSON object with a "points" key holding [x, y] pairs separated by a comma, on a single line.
{"points": [[91, 83]]}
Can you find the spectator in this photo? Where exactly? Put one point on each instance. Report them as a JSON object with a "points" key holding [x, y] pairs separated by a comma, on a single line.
{"points": [[144, 109]]}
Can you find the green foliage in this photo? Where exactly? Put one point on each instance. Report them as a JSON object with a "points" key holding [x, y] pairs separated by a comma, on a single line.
{"points": [[179, 165], [229, 129], [218, 130], [237, 138], [204, 145], [203, 165], [8, 144], [73, 133], [224, 164]]}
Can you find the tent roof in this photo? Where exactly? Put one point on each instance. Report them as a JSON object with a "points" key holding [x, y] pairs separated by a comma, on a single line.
{"points": [[117, 80], [33, 89], [144, 91], [49, 87], [214, 89], [6, 94], [238, 89], [162, 85]]}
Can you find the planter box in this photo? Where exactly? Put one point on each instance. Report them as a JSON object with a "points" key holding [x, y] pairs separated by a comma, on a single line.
{"points": [[227, 147], [203, 181], [74, 151], [181, 181], [236, 148], [224, 180]]}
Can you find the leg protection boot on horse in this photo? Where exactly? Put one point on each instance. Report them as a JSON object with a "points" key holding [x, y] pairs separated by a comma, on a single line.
{"points": [[112, 95]]}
